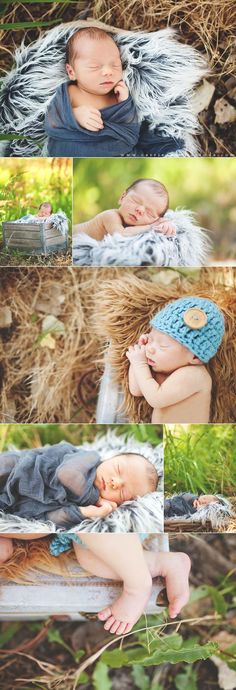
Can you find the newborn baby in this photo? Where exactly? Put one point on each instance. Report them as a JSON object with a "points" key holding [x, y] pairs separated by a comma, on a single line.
{"points": [[187, 503], [141, 208], [167, 365], [44, 212], [65, 484], [94, 114]]}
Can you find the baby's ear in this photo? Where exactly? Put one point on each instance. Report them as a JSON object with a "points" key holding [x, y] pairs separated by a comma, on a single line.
{"points": [[193, 359], [70, 71]]}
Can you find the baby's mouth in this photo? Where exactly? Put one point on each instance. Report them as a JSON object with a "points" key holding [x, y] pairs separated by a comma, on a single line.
{"points": [[150, 361]]}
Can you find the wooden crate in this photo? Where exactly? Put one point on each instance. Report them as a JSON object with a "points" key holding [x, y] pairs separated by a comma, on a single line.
{"points": [[186, 526], [33, 238]]}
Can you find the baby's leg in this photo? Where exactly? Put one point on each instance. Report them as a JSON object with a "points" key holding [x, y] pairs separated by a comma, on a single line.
{"points": [[6, 549], [174, 567], [106, 556]]}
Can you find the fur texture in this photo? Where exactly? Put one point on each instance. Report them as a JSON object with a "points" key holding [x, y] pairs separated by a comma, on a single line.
{"points": [[143, 514], [217, 514], [189, 247], [160, 72]]}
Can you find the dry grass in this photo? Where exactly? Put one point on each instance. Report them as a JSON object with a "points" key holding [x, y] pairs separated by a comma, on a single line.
{"points": [[31, 557]]}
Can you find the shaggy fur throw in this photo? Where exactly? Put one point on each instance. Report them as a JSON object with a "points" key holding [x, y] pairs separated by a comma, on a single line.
{"points": [[160, 72], [189, 247]]}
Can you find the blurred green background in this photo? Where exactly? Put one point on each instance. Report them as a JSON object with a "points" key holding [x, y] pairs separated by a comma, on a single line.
{"points": [[37, 435], [200, 458], [26, 183], [206, 186]]}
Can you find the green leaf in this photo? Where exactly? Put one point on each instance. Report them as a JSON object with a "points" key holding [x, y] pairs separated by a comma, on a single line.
{"points": [[100, 677], [140, 678], [186, 680], [218, 600], [7, 634], [173, 656], [26, 25], [115, 659], [82, 679]]}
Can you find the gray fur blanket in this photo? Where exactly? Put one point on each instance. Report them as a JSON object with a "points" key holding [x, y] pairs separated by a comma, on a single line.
{"points": [[189, 247], [217, 514], [160, 72], [57, 220], [142, 515]]}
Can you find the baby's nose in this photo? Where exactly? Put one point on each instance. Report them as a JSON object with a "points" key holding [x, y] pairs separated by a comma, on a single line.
{"points": [[106, 69], [140, 209]]}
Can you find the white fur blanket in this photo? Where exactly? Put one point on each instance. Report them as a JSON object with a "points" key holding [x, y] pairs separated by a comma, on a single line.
{"points": [[217, 514], [160, 72], [189, 247], [144, 514]]}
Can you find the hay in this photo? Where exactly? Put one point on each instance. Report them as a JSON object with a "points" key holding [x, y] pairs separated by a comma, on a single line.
{"points": [[125, 307], [43, 385], [40, 384]]}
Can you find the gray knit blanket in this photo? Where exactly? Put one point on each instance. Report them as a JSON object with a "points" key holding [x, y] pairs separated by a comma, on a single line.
{"points": [[161, 74], [189, 247], [145, 514]]}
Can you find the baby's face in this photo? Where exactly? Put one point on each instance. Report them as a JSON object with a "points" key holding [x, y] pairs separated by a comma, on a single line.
{"points": [[96, 66], [164, 354], [141, 205], [204, 501], [121, 479], [44, 211]]}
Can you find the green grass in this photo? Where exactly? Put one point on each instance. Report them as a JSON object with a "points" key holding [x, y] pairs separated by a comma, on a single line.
{"points": [[35, 435], [200, 458]]}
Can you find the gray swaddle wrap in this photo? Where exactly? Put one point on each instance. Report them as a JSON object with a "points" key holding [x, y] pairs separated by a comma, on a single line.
{"points": [[31, 483]]}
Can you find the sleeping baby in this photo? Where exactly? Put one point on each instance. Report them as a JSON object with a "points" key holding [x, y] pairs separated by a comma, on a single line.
{"points": [[187, 503], [94, 114], [141, 209], [66, 484]]}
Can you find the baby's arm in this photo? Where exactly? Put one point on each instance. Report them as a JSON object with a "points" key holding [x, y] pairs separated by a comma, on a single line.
{"points": [[161, 226], [73, 514], [106, 222], [178, 386], [134, 387]]}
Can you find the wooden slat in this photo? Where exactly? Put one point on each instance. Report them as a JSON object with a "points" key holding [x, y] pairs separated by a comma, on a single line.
{"points": [[24, 242], [22, 235], [57, 241]]}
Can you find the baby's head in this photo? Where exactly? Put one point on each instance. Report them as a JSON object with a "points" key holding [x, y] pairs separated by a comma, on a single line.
{"points": [[205, 500], [93, 61], [143, 202], [187, 331], [124, 477], [45, 210]]}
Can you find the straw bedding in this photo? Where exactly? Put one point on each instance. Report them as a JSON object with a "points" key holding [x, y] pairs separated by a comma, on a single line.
{"points": [[57, 379]]}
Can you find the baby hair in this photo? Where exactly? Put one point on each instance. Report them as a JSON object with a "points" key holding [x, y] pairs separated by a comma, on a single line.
{"points": [[157, 186], [91, 32], [46, 203], [151, 471]]}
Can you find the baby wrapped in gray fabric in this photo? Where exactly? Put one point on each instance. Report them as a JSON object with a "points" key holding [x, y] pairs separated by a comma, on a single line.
{"points": [[66, 484], [187, 504], [94, 114]]}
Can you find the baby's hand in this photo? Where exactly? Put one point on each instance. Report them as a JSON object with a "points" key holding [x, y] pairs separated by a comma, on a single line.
{"points": [[165, 227], [89, 118], [136, 354], [103, 502], [121, 91], [99, 511], [143, 339]]}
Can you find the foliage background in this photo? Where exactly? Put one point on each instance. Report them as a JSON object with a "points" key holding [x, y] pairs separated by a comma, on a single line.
{"points": [[25, 184], [206, 186], [200, 458]]}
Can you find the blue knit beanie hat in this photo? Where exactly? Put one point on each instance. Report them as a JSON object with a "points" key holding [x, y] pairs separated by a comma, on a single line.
{"points": [[195, 322]]}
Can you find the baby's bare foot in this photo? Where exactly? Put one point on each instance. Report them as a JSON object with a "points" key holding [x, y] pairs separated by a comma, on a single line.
{"points": [[174, 567], [126, 610]]}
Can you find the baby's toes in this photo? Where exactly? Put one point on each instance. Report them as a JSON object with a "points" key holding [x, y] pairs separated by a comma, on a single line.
{"points": [[116, 625], [176, 605], [110, 621], [123, 628], [104, 614]]}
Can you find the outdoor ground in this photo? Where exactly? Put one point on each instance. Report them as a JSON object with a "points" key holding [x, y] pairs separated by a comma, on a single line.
{"points": [[208, 26], [47, 655]]}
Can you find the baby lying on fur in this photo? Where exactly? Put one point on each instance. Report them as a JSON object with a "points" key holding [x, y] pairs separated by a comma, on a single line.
{"points": [[141, 209], [94, 114], [66, 484], [187, 503], [44, 212]]}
